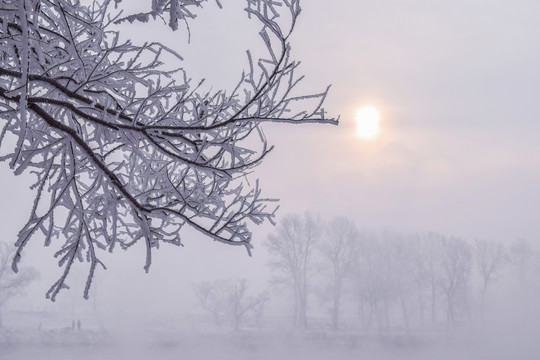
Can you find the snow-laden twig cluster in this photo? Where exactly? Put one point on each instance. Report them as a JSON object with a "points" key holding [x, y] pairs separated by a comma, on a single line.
{"points": [[124, 149]]}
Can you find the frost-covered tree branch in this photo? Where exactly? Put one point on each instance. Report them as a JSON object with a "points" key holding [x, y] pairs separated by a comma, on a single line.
{"points": [[124, 149]]}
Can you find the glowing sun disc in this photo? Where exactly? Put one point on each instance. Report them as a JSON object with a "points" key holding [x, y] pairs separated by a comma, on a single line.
{"points": [[367, 122]]}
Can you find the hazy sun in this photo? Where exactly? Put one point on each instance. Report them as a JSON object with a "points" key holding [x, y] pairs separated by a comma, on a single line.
{"points": [[367, 122]]}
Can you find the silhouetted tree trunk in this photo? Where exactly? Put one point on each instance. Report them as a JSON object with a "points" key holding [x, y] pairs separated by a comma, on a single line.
{"points": [[339, 249], [292, 248], [404, 309], [490, 258], [454, 279]]}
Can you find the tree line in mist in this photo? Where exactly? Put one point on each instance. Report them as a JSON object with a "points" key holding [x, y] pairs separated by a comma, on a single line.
{"points": [[333, 275]]}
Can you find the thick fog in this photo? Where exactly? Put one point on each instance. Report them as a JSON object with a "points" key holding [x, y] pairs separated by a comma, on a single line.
{"points": [[421, 243]]}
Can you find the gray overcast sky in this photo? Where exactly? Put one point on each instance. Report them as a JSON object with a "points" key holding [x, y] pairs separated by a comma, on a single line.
{"points": [[457, 84]]}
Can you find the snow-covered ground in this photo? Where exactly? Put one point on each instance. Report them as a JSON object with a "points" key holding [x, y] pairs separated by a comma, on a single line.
{"points": [[170, 343]]}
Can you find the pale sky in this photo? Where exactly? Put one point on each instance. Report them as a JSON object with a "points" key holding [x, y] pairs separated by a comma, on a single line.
{"points": [[457, 85]]}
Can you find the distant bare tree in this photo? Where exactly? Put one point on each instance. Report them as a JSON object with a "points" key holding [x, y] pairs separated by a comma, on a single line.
{"points": [[401, 250], [490, 258], [369, 281], [258, 308], [124, 148], [522, 256], [210, 297], [339, 246], [229, 299], [292, 248], [420, 275], [455, 275], [241, 304], [378, 281], [12, 284], [431, 255]]}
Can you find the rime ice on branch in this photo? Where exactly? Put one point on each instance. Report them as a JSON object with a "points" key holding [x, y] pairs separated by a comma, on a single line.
{"points": [[124, 150]]}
